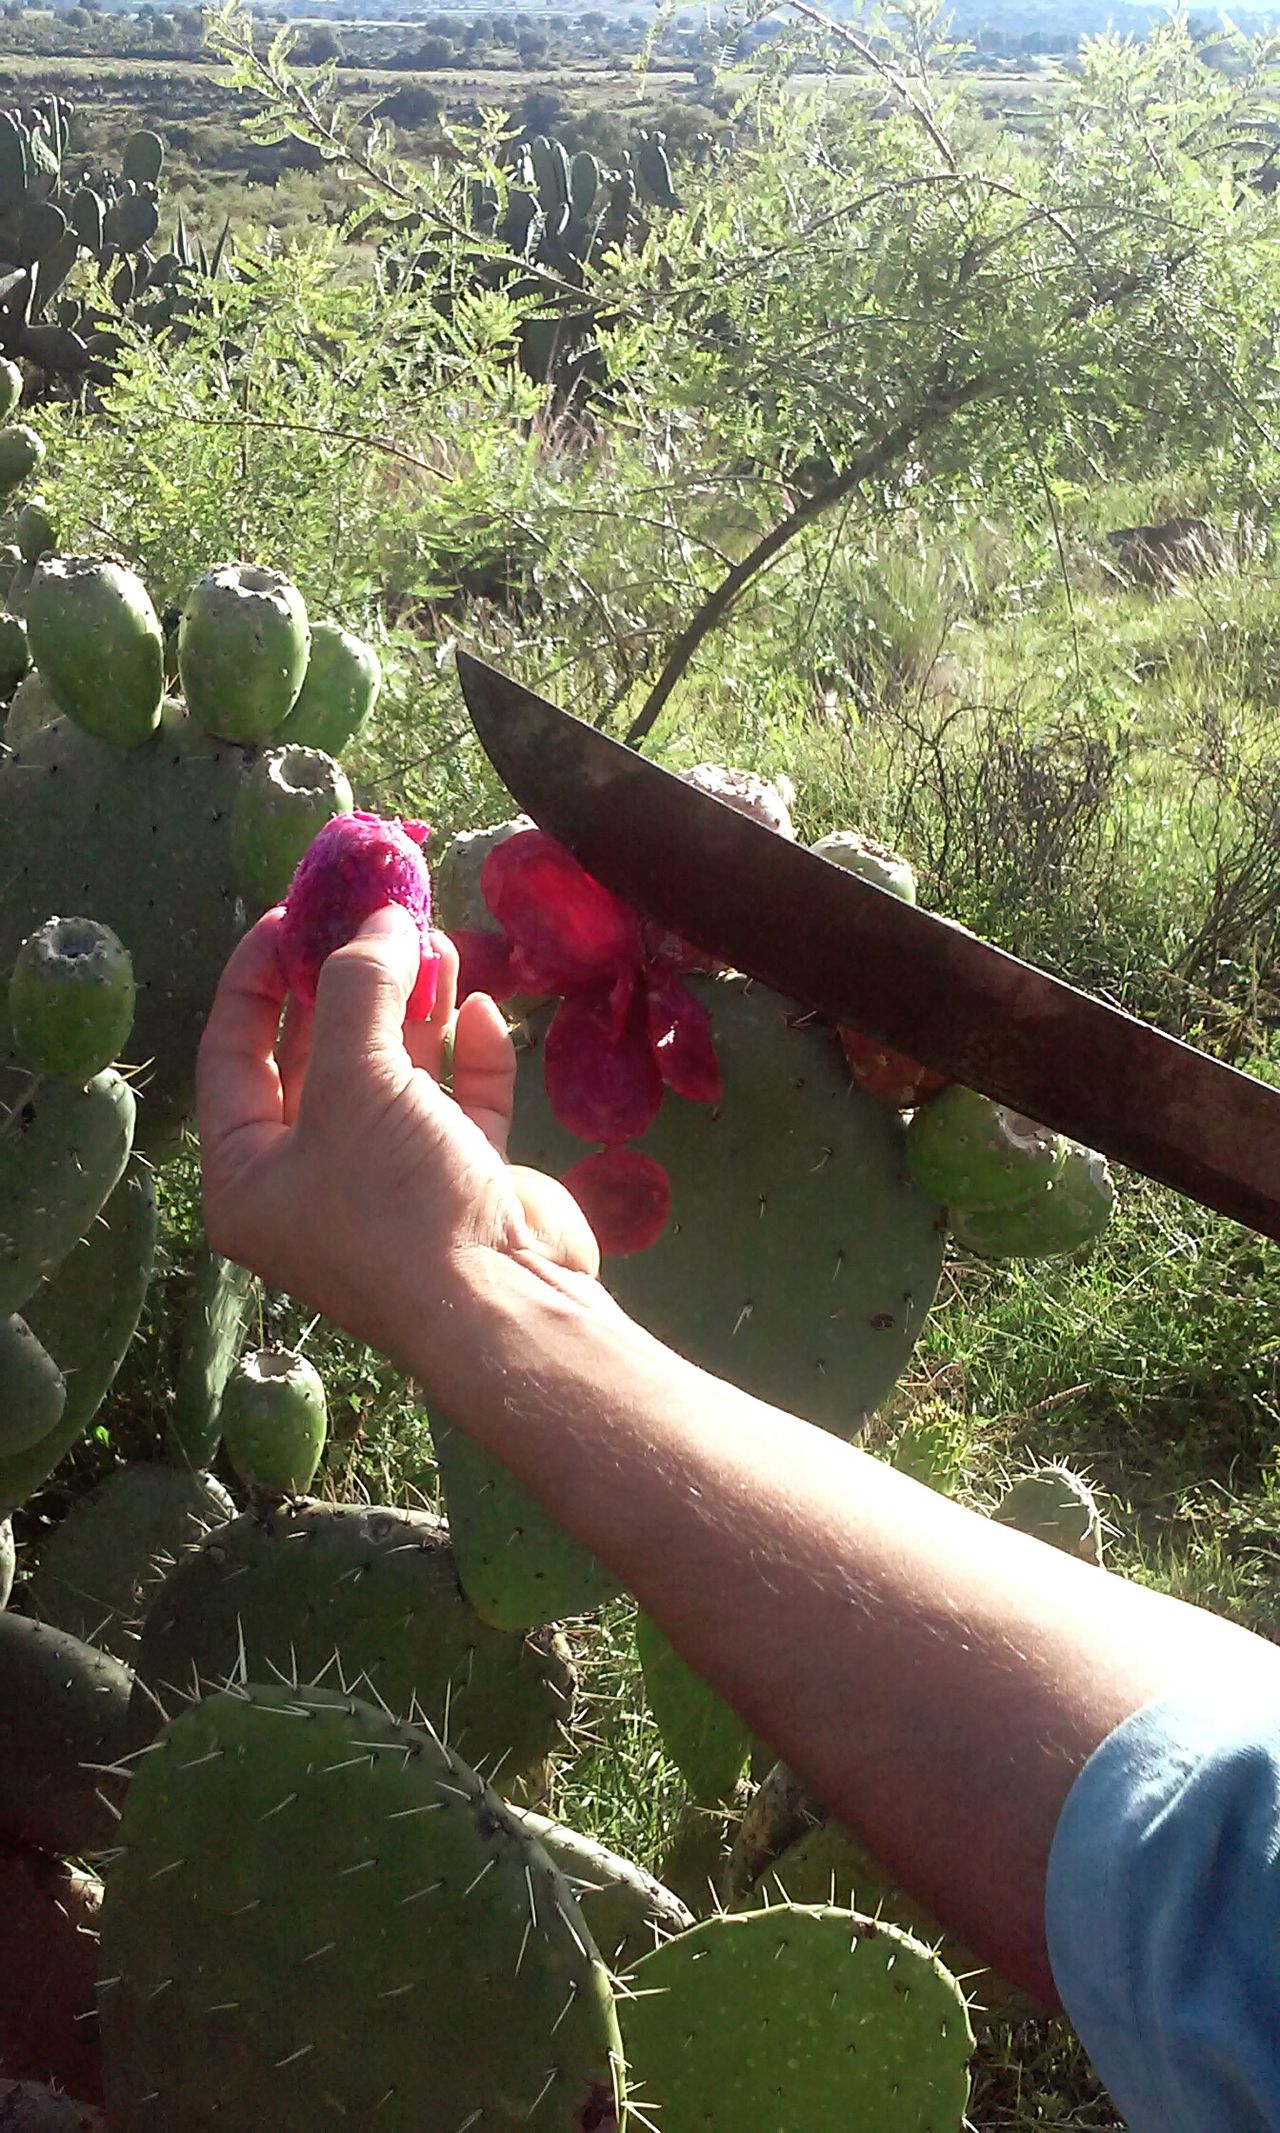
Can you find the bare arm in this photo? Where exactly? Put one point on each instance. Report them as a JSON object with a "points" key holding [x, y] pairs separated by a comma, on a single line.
{"points": [[937, 1679]]}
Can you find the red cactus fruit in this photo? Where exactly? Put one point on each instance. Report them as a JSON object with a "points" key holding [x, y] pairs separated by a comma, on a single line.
{"points": [[625, 1196], [357, 865], [891, 1077]]}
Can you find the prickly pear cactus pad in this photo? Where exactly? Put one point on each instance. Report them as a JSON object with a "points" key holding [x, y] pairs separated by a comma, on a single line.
{"points": [[791, 2019], [33, 1391], [626, 1910], [62, 1152], [63, 1711], [275, 1421], [339, 690], [800, 1260], [21, 451], [517, 1567], [71, 998], [213, 1328], [321, 1916], [100, 1563], [85, 1315], [243, 644], [708, 1743], [1058, 1506], [288, 794], [97, 640], [353, 1595], [141, 839]]}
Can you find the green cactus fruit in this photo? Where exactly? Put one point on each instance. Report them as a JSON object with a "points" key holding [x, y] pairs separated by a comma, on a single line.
{"points": [[70, 801], [870, 861], [62, 1151], [101, 1563], [1058, 1506], [243, 645], [338, 692], [971, 1153], [33, 1391], [281, 1835], [305, 1590], [1072, 1210], [275, 1420], [142, 157], [708, 1743], [30, 708], [37, 530], [71, 998], [287, 796], [10, 388], [15, 654], [626, 1910], [85, 1315], [97, 640], [63, 1719], [8, 1560], [829, 1865], [48, 1972], [876, 2030], [21, 452], [212, 1332], [800, 1261], [518, 1568]]}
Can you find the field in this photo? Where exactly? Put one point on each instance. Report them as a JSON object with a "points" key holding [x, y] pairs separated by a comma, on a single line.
{"points": [[828, 495]]}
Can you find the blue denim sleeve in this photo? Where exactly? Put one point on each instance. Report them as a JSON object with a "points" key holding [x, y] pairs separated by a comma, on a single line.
{"points": [[1163, 1911]]}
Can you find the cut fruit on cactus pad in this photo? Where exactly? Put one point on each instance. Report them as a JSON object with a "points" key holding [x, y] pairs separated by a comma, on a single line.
{"points": [[567, 931], [625, 1196]]}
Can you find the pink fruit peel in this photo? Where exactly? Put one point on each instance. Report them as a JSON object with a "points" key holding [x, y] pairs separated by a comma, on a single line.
{"points": [[625, 1196], [603, 1082], [358, 864]]}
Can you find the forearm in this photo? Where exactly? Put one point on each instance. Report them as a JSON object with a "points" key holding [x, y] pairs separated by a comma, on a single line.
{"points": [[937, 1679]]}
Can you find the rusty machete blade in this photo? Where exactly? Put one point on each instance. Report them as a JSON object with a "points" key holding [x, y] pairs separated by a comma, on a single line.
{"points": [[837, 944]]}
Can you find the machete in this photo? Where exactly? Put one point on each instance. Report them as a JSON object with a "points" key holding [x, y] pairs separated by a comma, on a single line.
{"points": [[842, 947]]}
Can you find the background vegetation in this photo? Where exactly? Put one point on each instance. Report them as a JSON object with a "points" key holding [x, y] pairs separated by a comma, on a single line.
{"points": [[831, 496]]}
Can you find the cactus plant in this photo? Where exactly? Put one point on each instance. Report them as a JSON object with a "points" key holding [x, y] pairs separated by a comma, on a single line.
{"points": [[876, 2030], [626, 1910], [85, 1315], [63, 1150], [35, 530], [338, 693], [243, 644], [302, 1591], [8, 1560], [212, 1332], [871, 861], [288, 795], [42, 2107], [1054, 1504], [97, 640], [10, 388], [275, 1421], [21, 452], [300, 1834], [101, 1563], [518, 1568], [30, 707], [33, 1391], [48, 1971], [63, 1728], [708, 1742], [71, 998], [15, 655]]}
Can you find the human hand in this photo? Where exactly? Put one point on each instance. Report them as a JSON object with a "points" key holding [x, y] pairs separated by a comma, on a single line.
{"points": [[336, 1167]]}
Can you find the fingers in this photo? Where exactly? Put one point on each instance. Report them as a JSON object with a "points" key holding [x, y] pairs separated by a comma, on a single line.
{"points": [[561, 1230], [238, 1090], [293, 1050], [360, 1004], [424, 1041], [484, 1068]]}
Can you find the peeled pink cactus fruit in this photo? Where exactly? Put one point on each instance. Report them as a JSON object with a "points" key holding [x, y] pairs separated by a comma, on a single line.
{"points": [[358, 864], [625, 1196], [71, 998]]}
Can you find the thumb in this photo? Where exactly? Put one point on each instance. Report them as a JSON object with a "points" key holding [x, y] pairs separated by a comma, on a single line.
{"points": [[361, 999]]}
